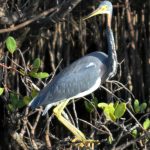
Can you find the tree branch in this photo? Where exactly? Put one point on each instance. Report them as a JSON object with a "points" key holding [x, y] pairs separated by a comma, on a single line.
{"points": [[65, 8]]}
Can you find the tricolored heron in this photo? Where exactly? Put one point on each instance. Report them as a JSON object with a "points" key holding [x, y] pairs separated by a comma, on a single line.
{"points": [[80, 78]]}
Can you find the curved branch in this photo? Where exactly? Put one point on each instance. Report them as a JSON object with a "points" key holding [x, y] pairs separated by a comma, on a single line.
{"points": [[66, 7], [45, 13]]}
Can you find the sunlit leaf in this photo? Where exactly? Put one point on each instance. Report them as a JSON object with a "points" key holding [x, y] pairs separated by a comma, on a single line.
{"points": [[39, 75], [42, 75], [136, 106], [120, 110], [33, 74], [143, 107], [109, 112], [109, 115], [112, 116], [146, 124], [1, 90], [134, 133], [102, 105], [11, 44], [116, 104]]}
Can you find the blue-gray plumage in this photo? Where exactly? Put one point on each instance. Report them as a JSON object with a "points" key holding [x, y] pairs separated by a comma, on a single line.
{"points": [[76, 78], [84, 75]]}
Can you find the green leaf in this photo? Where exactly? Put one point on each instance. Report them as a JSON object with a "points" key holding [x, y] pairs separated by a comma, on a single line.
{"points": [[109, 112], [34, 93], [112, 116], [102, 105], [120, 110], [109, 115], [42, 75], [11, 44], [89, 107], [26, 100], [136, 106], [33, 74], [17, 103], [146, 124], [111, 107], [134, 133], [1, 90], [116, 104], [39, 75], [143, 107], [110, 139], [36, 65]]}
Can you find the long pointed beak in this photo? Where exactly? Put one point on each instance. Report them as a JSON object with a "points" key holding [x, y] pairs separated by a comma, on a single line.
{"points": [[95, 12]]}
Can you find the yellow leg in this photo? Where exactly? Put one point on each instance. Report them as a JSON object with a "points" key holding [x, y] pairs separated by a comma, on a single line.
{"points": [[79, 136], [57, 112]]}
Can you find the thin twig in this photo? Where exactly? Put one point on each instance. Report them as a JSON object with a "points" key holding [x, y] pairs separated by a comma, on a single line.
{"points": [[135, 119], [55, 70], [24, 63], [100, 130], [25, 121], [117, 82], [123, 146], [9, 68], [75, 113], [15, 136], [117, 140], [47, 139]]}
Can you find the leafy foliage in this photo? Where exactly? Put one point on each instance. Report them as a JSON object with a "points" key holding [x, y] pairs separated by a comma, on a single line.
{"points": [[136, 106], [146, 124], [134, 133], [139, 108], [11, 44], [120, 110], [16, 102], [39, 75], [113, 111], [35, 67]]}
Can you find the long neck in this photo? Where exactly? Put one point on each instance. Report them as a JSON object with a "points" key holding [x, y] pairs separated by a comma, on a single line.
{"points": [[112, 56]]}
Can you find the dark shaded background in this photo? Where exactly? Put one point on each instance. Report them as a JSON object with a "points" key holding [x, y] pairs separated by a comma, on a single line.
{"points": [[53, 39]]}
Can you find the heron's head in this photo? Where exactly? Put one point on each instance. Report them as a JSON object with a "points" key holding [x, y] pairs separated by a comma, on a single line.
{"points": [[105, 7]]}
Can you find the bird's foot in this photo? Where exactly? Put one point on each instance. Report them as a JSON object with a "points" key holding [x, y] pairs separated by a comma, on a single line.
{"points": [[88, 143]]}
